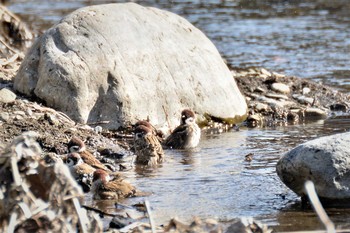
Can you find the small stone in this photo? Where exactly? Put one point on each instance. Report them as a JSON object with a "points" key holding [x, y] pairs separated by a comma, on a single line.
{"points": [[280, 87], [51, 119], [260, 90], [304, 100], [277, 96], [306, 90], [4, 116], [338, 107], [18, 117], [265, 72], [260, 107], [98, 129], [21, 113], [29, 112], [315, 113], [278, 75], [7, 96]]}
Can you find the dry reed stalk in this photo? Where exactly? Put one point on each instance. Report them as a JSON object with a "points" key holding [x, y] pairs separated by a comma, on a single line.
{"points": [[151, 222]]}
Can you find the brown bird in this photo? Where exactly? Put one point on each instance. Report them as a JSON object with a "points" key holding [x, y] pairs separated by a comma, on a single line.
{"points": [[187, 134], [158, 133], [81, 171], [78, 146], [77, 166], [104, 188], [147, 147]]}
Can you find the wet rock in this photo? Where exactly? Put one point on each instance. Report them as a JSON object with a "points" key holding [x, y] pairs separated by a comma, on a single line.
{"points": [[315, 113], [338, 107], [80, 67], [325, 161], [280, 87], [7, 96]]}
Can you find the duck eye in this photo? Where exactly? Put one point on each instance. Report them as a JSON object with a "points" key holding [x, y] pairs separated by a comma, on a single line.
{"points": [[138, 135]]}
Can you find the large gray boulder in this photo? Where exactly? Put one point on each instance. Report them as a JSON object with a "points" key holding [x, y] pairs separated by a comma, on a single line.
{"points": [[124, 62], [325, 161]]}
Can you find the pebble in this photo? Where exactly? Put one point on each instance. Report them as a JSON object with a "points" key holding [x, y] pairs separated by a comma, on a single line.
{"points": [[5, 116], [315, 113], [7, 96], [261, 107], [303, 99], [280, 87], [306, 90], [277, 96], [260, 90], [338, 107], [278, 75], [265, 72]]}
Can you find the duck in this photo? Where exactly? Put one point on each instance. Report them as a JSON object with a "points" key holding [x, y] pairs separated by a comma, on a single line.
{"points": [[187, 134], [147, 147], [105, 188], [76, 145]]}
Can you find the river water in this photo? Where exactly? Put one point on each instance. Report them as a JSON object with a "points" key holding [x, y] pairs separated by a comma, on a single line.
{"points": [[309, 39]]}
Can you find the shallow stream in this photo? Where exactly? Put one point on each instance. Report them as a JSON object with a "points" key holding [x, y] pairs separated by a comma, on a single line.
{"points": [[309, 40]]}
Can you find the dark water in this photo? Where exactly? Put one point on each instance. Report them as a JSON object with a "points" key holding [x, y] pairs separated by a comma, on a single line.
{"points": [[309, 39]]}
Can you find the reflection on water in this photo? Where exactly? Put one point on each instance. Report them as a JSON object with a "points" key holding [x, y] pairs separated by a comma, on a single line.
{"points": [[308, 39]]}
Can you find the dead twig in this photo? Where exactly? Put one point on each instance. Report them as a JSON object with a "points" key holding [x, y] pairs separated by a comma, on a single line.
{"points": [[151, 222], [98, 211], [315, 201]]}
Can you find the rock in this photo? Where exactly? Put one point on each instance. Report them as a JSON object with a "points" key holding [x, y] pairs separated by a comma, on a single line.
{"points": [[325, 161], [315, 113], [306, 90], [303, 99], [261, 107], [277, 96], [280, 87], [265, 72], [120, 63], [4, 116], [338, 107], [7, 96]]}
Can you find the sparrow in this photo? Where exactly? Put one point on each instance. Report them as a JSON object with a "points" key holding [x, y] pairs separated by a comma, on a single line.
{"points": [[82, 172], [187, 134], [158, 133], [147, 147], [78, 146], [104, 188]]}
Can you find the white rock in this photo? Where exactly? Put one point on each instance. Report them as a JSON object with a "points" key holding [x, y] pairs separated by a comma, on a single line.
{"points": [[7, 96], [261, 107], [280, 87], [325, 161], [265, 72], [124, 62], [306, 90]]}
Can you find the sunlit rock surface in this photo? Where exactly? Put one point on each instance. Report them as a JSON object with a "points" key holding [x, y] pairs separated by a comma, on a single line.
{"points": [[123, 62], [325, 161]]}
